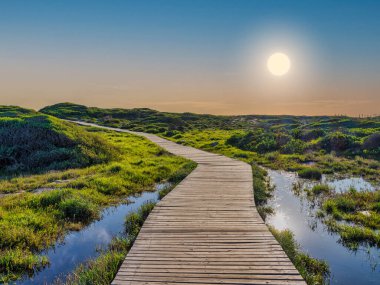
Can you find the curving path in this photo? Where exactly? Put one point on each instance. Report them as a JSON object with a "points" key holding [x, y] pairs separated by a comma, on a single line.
{"points": [[206, 231]]}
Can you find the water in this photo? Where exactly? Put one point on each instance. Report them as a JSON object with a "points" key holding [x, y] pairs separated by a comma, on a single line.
{"points": [[297, 214], [77, 247], [293, 212], [342, 185]]}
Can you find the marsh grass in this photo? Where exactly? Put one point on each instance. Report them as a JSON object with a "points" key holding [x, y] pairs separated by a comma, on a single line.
{"points": [[102, 270], [314, 271], [31, 222], [18, 261], [355, 216], [318, 189], [310, 173], [134, 221]]}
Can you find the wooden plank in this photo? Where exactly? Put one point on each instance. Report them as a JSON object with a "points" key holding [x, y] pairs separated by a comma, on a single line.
{"points": [[206, 231]]}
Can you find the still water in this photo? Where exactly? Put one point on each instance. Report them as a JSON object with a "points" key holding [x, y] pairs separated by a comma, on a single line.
{"points": [[297, 213], [293, 212], [77, 247]]}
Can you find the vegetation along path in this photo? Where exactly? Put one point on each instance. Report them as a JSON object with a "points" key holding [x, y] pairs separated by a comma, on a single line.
{"points": [[207, 230]]}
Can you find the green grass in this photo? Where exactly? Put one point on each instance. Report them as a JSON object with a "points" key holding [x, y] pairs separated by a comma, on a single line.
{"points": [[319, 189], [314, 271], [31, 222], [17, 261], [31, 142], [102, 270], [361, 210], [354, 236], [134, 221], [279, 142], [336, 144], [310, 173]]}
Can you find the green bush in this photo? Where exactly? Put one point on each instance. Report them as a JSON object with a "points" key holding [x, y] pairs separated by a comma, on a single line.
{"points": [[310, 173], [337, 141], [294, 146]]}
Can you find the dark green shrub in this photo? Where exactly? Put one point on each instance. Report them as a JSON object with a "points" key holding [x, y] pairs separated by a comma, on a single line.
{"points": [[337, 141], [294, 146], [310, 173]]}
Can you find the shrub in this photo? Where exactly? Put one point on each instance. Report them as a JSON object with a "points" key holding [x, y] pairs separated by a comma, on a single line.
{"points": [[294, 146], [310, 173], [308, 135], [372, 142], [337, 141]]}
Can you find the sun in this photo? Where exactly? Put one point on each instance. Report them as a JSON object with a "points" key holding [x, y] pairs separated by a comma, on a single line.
{"points": [[278, 64]]}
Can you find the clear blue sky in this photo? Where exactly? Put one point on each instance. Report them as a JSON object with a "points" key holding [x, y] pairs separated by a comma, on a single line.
{"points": [[191, 55]]}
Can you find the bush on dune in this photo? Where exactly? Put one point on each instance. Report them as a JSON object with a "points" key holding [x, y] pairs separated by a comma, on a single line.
{"points": [[34, 142]]}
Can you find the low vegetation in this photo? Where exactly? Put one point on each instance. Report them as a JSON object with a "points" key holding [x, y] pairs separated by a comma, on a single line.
{"points": [[40, 208], [33, 142], [314, 271], [310, 173], [319, 189], [234, 141], [333, 144], [102, 270], [355, 216]]}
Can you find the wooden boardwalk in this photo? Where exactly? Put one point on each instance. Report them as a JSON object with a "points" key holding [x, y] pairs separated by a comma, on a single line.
{"points": [[206, 231]]}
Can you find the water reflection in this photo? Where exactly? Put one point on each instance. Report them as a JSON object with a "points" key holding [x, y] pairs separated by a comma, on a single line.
{"points": [[77, 247], [297, 213]]}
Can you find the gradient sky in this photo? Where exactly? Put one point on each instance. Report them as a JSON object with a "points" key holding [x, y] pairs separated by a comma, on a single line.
{"points": [[205, 56]]}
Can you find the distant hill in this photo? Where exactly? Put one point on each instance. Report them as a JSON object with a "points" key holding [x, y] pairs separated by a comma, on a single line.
{"points": [[265, 133], [144, 119], [33, 142]]}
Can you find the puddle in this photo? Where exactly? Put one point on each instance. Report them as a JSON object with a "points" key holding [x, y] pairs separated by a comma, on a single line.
{"points": [[298, 214]]}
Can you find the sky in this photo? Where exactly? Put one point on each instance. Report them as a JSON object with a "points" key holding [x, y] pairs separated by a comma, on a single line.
{"points": [[202, 56]]}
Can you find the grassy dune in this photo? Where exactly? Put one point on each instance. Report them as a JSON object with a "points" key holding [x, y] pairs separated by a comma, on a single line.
{"points": [[334, 144], [32, 142], [72, 198]]}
